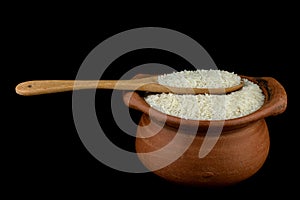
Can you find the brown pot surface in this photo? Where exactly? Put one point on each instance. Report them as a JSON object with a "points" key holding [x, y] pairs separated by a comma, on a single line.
{"points": [[239, 151]]}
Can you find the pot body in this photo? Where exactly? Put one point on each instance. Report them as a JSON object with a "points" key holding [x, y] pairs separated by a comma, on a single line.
{"points": [[238, 153], [170, 146]]}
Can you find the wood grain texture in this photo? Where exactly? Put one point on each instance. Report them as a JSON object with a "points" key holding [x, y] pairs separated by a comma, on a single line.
{"points": [[148, 84]]}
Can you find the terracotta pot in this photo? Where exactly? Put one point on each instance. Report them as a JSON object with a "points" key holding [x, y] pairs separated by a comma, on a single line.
{"points": [[239, 151]]}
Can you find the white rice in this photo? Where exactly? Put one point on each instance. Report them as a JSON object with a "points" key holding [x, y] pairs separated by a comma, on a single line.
{"points": [[208, 106], [200, 79]]}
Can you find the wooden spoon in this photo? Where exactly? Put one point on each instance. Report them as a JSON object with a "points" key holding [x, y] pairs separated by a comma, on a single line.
{"points": [[149, 84]]}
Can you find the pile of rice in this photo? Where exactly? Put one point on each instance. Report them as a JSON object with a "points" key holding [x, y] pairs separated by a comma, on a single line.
{"points": [[200, 79], [207, 106]]}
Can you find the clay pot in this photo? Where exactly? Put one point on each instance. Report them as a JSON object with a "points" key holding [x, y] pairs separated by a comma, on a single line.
{"points": [[239, 151]]}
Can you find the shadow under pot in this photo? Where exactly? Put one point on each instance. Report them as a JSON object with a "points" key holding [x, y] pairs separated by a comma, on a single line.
{"points": [[206, 152]]}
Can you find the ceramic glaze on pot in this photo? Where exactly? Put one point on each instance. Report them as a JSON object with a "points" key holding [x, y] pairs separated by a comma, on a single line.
{"points": [[239, 152]]}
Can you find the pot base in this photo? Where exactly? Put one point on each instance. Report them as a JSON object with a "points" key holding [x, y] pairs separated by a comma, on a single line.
{"points": [[238, 154]]}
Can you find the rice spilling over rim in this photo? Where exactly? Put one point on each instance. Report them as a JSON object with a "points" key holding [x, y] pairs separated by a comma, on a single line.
{"points": [[200, 79], [209, 106]]}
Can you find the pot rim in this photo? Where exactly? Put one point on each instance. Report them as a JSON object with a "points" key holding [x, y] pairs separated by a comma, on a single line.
{"points": [[275, 103]]}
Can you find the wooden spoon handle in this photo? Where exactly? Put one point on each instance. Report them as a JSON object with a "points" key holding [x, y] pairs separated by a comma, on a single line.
{"points": [[29, 88], [38, 87]]}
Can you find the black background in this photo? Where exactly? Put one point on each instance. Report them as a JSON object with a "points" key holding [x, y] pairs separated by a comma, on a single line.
{"points": [[42, 150]]}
